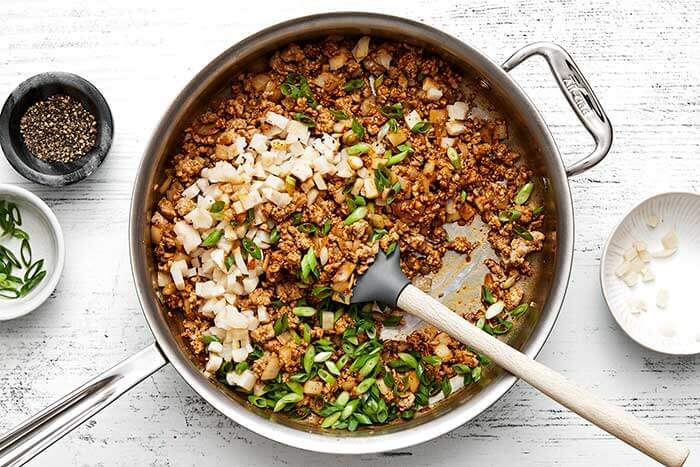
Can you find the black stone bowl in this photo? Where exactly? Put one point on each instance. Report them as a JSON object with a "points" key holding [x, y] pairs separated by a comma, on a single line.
{"points": [[38, 88]]}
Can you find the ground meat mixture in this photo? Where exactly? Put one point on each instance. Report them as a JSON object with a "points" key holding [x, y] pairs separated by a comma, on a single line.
{"points": [[280, 196]]}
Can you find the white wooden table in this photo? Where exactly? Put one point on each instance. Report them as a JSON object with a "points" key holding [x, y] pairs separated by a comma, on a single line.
{"points": [[641, 56]]}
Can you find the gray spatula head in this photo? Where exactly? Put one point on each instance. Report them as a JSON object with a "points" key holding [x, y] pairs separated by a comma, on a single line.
{"points": [[382, 282]]}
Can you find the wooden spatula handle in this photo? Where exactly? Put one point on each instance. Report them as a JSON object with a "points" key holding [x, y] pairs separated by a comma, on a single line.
{"points": [[610, 418]]}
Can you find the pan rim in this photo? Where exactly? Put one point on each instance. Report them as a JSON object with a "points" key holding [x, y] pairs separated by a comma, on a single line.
{"points": [[374, 442]]}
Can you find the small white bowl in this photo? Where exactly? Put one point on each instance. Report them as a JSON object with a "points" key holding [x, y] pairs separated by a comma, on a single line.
{"points": [[674, 329], [46, 240]]}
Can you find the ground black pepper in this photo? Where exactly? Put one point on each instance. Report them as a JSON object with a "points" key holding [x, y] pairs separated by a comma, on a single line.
{"points": [[58, 129]]}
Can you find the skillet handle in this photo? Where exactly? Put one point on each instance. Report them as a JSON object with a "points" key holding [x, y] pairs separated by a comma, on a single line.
{"points": [[578, 93], [48, 426]]}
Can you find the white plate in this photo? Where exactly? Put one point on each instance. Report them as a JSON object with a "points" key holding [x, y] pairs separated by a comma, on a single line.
{"points": [[46, 239], [675, 329]]}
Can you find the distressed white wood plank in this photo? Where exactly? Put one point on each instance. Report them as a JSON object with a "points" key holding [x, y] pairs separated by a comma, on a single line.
{"points": [[641, 56]]}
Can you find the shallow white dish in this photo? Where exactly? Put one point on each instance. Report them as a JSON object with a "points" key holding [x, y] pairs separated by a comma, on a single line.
{"points": [[674, 329], [46, 239]]}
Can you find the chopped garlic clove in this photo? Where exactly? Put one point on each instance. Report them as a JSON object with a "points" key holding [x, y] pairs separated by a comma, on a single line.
{"points": [[630, 254], [637, 305], [670, 241], [647, 275], [640, 246], [662, 298], [663, 253], [631, 278], [652, 220], [622, 269]]}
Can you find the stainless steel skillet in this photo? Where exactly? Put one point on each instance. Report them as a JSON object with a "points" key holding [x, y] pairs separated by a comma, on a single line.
{"points": [[530, 134]]}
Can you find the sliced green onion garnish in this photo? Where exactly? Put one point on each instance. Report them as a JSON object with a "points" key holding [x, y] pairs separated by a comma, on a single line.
{"points": [[326, 377], [359, 213], [391, 248], [308, 227], [339, 115], [291, 398], [537, 211], [408, 359], [454, 158], [304, 311], [392, 111], [25, 253], [33, 270], [431, 359], [520, 309], [217, 206], [522, 233], [332, 368], [330, 420], [524, 193], [354, 84], [251, 248], [326, 227], [462, 196], [357, 149], [421, 127], [305, 119], [395, 159], [228, 262], [19, 233], [369, 366], [213, 238], [308, 361], [358, 129], [487, 295], [309, 265], [274, 236], [209, 339], [281, 325], [365, 385]]}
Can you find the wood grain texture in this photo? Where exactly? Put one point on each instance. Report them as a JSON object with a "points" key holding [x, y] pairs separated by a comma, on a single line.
{"points": [[641, 57]]}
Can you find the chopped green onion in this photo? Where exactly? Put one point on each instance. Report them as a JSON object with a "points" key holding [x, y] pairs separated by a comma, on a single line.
{"points": [[291, 398], [365, 385], [213, 238], [290, 180], [523, 193], [33, 270], [487, 295], [421, 127], [322, 291], [330, 420], [431, 359], [25, 253], [241, 367], [332, 367], [308, 227], [304, 311], [228, 262], [358, 149], [520, 309], [377, 234], [462, 196], [281, 325], [509, 215], [446, 386], [217, 206], [359, 213], [209, 339], [537, 211], [326, 227], [32, 282], [326, 377], [309, 358], [274, 236], [408, 359], [476, 374], [358, 129], [305, 119], [354, 85], [19, 233], [251, 248], [392, 320], [461, 369], [369, 366], [395, 159], [309, 265], [522, 233], [339, 115], [454, 158], [392, 111], [391, 248]]}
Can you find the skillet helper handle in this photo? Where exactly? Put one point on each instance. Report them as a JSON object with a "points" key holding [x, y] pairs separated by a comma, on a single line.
{"points": [[48, 426], [578, 93], [610, 418]]}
